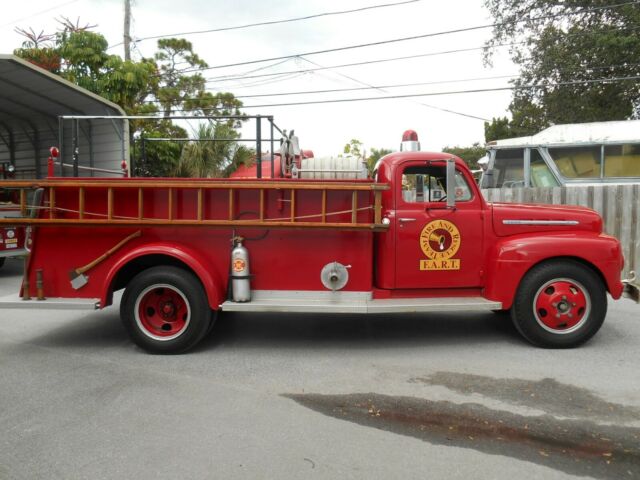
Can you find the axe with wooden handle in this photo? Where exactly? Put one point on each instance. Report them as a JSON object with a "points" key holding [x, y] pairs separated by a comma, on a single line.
{"points": [[78, 277]]}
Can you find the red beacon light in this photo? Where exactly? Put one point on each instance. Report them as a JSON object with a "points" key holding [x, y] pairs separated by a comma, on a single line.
{"points": [[55, 153], [410, 142]]}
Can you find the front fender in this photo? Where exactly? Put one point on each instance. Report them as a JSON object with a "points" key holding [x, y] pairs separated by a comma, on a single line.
{"points": [[211, 279], [512, 257]]}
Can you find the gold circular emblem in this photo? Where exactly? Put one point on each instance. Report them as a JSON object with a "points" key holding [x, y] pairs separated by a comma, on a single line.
{"points": [[440, 240]]}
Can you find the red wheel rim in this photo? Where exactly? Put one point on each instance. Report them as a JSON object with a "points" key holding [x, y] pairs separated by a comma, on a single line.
{"points": [[562, 306], [162, 312]]}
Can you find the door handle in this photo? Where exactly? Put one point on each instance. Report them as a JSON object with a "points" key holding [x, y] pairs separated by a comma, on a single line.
{"points": [[406, 220]]}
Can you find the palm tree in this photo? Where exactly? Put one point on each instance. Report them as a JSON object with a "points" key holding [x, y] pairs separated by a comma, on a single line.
{"points": [[212, 159]]}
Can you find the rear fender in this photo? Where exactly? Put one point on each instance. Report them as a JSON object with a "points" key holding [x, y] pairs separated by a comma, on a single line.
{"points": [[212, 280], [513, 257]]}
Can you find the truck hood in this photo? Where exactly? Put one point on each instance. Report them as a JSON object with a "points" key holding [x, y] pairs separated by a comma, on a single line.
{"points": [[515, 219]]}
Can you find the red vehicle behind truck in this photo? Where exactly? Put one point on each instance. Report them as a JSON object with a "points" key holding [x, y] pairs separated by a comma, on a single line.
{"points": [[418, 237], [12, 237]]}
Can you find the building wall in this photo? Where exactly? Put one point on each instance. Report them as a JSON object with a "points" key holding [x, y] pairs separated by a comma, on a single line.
{"points": [[101, 144]]}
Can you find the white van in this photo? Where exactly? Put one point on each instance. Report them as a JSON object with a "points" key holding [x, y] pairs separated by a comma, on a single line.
{"points": [[566, 155]]}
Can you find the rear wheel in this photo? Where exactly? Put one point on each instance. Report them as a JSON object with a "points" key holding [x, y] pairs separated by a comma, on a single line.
{"points": [[165, 310], [559, 304], [2, 262]]}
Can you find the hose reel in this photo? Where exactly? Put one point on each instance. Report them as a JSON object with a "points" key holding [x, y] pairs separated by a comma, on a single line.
{"points": [[334, 276]]}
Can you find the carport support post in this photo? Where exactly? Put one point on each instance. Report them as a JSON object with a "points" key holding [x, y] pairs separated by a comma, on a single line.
{"points": [[61, 143], [272, 155], [12, 149], [75, 127], [259, 145]]}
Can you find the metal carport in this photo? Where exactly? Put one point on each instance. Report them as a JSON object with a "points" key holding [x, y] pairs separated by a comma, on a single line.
{"points": [[31, 102]]}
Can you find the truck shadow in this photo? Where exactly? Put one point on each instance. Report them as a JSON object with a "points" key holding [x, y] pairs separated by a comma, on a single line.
{"points": [[241, 330], [293, 331]]}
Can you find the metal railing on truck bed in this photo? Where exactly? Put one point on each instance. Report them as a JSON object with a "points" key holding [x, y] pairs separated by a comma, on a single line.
{"points": [[202, 202]]}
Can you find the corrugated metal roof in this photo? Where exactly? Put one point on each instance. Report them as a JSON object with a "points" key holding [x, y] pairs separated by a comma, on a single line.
{"points": [[579, 133], [27, 91]]}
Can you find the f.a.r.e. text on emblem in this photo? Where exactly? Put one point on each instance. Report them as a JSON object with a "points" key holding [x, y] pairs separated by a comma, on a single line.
{"points": [[440, 241]]}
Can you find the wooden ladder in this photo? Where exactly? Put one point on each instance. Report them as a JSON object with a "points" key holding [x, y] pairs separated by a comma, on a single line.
{"points": [[52, 212]]}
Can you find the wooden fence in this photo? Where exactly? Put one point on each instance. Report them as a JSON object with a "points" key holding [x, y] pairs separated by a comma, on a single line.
{"points": [[619, 206]]}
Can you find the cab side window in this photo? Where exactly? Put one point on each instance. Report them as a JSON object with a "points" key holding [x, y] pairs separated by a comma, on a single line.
{"points": [[422, 184], [622, 160], [577, 162]]}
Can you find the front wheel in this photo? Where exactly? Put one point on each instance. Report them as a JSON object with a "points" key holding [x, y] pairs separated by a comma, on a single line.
{"points": [[559, 304], [165, 310]]}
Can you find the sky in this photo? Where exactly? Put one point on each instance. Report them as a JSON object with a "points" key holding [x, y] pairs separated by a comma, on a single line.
{"points": [[323, 128]]}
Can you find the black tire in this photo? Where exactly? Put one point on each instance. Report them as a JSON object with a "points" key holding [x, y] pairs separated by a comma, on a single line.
{"points": [[559, 304], [165, 310], [2, 262], [212, 321]]}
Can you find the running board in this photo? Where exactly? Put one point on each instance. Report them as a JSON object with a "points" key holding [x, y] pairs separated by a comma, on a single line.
{"points": [[14, 301], [354, 302]]}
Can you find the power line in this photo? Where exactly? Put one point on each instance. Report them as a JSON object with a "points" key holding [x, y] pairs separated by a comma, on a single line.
{"points": [[38, 13], [433, 94], [413, 101], [367, 87], [401, 85], [454, 92], [274, 22], [225, 78], [382, 87], [377, 87], [404, 39]]}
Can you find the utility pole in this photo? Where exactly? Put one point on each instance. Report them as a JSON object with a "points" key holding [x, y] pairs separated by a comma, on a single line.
{"points": [[127, 30]]}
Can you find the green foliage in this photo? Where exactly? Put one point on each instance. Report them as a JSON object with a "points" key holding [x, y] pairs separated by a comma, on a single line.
{"points": [[213, 159], [353, 148], [577, 40], [157, 158], [470, 155], [376, 154], [170, 81]]}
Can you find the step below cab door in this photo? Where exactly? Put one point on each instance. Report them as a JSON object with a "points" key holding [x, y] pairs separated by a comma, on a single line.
{"points": [[437, 246]]}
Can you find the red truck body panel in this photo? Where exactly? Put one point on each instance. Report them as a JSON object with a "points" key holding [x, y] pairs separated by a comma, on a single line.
{"points": [[280, 259], [482, 251]]}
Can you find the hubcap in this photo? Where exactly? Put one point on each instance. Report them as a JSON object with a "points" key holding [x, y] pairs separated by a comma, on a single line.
{"points": [[561, 306], [162, 312]]}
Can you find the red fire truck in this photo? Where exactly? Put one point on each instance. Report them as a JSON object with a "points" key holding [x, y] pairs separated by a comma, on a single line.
{"points": [[418, 237]]}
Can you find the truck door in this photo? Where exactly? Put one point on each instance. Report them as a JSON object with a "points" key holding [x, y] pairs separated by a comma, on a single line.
{"points": [[436, 247]]}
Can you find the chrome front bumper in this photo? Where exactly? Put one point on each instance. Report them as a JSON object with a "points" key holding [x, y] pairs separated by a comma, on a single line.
{"points": [[631, 288]]}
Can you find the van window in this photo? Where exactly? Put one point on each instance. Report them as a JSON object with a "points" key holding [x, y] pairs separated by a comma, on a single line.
{"points": [[622, 160], [577, 162], [508, 168], [541, 175], [429, 184]]}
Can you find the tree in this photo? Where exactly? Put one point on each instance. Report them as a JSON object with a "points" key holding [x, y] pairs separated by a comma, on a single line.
{"points": [[564, 49], [206, 158], [353, 148], [470, 155], [376, 154], [171, 82], [80, 56]]}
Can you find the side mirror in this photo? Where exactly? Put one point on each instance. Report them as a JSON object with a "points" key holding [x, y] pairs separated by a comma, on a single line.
{"points": [[451, 183]]}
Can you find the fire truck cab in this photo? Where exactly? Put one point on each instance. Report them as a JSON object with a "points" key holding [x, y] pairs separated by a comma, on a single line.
{"points": [[419, 237]]}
